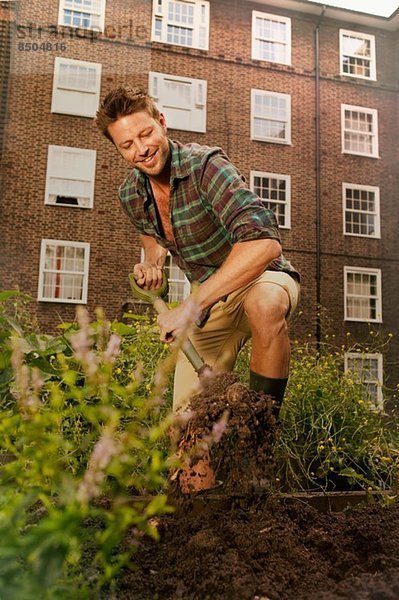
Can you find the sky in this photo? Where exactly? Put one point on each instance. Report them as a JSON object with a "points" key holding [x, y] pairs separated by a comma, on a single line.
{"points": [[375, 7]]}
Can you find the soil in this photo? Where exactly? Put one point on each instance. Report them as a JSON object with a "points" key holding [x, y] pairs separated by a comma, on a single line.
{"points": [[240, 542], [238, 428]]}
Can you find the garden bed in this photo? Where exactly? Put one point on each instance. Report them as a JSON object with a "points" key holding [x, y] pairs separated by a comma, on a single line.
{"points": [[247, 542], [268, 549], [82, 422]]}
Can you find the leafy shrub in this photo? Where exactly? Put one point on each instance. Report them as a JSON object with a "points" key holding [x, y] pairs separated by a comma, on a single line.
{"points": [[83, 427], [332, 435], [78, 439], [14, 318]]}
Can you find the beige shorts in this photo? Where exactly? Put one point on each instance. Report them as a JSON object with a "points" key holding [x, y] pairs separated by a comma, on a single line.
{"points": [[224, 334]]}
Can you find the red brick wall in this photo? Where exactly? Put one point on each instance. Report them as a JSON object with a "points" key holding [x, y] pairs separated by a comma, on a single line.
{"points": [[6, 25], [32, 127], [127, 56]]}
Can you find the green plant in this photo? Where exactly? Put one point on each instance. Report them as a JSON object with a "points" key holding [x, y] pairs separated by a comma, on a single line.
{"points": [[83, 427], [14, 318], [77, 440], [332, 436]]}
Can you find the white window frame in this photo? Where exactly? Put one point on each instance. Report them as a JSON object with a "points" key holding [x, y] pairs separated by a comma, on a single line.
{"points": [[357, 357], [269, 201], [343, 35], [375, 214], [257, 39], [271, 118], [182, 279], [373, 134], [69, 98], [62, 182], [97, 15], [158, 83], [84, 273], [161, 22], [377, 297], [173, 295]]}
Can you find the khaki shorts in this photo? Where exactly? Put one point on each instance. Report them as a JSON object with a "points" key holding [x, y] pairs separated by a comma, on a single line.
{"points": [[224, 334]]}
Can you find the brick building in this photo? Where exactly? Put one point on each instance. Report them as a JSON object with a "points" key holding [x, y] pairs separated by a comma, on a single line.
{"points": [[6, 28], [301, 96]]}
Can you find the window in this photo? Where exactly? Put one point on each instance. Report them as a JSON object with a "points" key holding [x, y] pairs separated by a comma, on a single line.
{"points": [[76, 87], [275, 191], [179, 286], [271, 117], [271, 38], [64, 268], [85, 14], [362, 294], [369, 369], [70, 176], [361, 205], [183, 100], [357, 54], [181, 22], [359, 130]]}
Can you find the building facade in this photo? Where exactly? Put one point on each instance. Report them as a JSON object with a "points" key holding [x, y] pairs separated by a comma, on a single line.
{"points": [[302, 97]]}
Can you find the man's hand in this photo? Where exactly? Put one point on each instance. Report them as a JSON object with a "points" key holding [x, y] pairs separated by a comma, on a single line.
{"points": [[177, 323], [149, 276], [148, 273]]}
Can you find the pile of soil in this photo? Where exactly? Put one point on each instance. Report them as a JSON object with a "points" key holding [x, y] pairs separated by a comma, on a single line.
{"points": [[238, 427], [241, 543]]}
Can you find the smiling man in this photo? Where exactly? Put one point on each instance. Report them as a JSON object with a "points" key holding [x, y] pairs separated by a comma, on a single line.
{"points": [[190, 200]]}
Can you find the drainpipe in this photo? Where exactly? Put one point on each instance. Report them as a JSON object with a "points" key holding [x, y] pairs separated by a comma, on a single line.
{"points": [[318, 181]]}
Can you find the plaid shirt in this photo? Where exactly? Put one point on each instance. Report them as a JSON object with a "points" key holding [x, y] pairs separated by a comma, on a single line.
{"points": [[211, 209]]}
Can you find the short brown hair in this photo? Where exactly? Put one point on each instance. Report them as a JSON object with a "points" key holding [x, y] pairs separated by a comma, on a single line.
{"points": [[121, 102]]}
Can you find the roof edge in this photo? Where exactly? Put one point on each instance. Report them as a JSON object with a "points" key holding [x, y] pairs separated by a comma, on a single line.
{"points": [[311, 7]]}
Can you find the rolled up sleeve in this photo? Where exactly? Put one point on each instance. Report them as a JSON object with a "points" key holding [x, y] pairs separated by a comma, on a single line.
{"points": [[240, 210]]}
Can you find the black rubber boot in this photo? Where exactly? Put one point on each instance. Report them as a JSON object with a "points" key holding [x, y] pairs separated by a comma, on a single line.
{"points": [[274, 387]]}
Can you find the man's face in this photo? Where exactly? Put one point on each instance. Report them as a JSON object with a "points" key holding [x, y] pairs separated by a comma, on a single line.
{"points": [[141, 140]]}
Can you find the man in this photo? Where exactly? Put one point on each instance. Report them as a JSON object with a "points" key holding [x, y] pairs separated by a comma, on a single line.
{"points": [[191, 201]]}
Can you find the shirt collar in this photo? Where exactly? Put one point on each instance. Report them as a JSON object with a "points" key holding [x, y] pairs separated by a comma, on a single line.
{"points": [[180, 166]]}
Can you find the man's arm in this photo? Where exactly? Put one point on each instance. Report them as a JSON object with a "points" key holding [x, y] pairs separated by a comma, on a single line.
{"points": [[246, 261], [149, 274]]}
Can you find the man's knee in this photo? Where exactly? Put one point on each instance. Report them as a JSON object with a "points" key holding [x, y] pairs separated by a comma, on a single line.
{"points": [[266, 306]]}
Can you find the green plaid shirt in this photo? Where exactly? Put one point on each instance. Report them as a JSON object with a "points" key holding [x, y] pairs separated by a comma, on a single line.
{"points": [[211, 209]]}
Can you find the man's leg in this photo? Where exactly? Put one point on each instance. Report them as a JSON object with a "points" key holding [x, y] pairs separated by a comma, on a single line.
{"points": [[267, 305], [218, 343]]}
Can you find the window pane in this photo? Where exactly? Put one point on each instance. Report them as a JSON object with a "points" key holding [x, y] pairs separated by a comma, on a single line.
{"points": [[178, 93], [63, 275], [360, 212], [181, 12], [180, 35], [270, 115], [367, 369], [354, 139], [357, 46], [362, 300], [270, 39], [272, 192], [82, 13], [177, 281], [185, 23]]}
